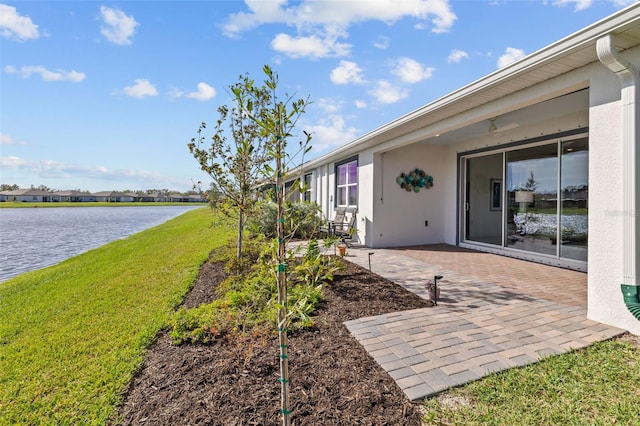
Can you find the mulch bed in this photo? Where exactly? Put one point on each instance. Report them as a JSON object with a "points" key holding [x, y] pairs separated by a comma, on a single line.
{"points": [[234, 381]]}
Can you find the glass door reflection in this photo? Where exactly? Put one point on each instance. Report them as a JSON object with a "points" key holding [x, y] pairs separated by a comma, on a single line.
{"points": [[574, 199], [532, 199]]}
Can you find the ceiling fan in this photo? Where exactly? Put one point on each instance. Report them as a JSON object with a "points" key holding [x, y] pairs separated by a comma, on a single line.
{"points": [[495, 129]]}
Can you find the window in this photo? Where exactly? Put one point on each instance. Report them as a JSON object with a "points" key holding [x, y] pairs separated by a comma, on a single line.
{"points": [[347, 183], [307, 187], [291, 192]]}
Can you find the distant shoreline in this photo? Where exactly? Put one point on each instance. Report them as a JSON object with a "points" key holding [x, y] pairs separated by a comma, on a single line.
{"points": [[38, 204]]}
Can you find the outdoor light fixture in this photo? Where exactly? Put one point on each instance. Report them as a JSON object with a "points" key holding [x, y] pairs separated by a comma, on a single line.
{"points": [[370, 254], [435, 286]]}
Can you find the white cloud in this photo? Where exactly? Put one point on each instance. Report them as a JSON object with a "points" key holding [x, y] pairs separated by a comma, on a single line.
{"points": [[119, 28], [313, 46], [347, 72], [15, 26], [12, 162], [339, 14], [46, 75], [6, 139], [411, 71], [331, 132], [56, 169], [456, 56], [510, 55], [381, 43], [386, 93], [204, 92], [360, 104], [329, 105], [320, 24], [260, 12], [141, 89], [623, 3], [578, 4]]}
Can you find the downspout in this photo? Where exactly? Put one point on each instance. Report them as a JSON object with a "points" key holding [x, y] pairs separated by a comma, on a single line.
{"points": [[630, 96]]}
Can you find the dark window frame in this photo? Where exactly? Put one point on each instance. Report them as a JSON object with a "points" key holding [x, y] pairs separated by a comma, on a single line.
{"points": [[348, 185], [306, 195]]}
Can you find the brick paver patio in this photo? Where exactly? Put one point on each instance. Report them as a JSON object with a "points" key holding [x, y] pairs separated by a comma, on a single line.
{"points": [[494, 313]]}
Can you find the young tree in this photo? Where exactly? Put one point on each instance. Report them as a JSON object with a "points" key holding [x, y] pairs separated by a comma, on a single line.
{"points": [[276, 120], [260, 124], [238, 153], [277, 123]]}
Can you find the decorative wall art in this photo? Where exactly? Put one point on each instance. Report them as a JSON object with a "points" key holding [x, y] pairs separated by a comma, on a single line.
{"points": [[414, 180]]}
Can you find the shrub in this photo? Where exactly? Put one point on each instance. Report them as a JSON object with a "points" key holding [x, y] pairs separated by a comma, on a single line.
{"points": [[302, 220], [253, 249], [248, 303]]}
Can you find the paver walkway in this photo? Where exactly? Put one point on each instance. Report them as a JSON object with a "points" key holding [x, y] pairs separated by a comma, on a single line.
{"points": [[494, 313]]}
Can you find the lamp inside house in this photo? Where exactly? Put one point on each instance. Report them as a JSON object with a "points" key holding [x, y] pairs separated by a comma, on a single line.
{"points": [[524, 198]]}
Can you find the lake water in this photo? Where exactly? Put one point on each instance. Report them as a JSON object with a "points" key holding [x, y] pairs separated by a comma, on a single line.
{"points": [[33, 238]]}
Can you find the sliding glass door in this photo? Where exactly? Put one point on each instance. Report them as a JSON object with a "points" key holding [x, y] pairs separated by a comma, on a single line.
{"points": [[529, 198], [483, 198], [532, 199], [574, 199]]}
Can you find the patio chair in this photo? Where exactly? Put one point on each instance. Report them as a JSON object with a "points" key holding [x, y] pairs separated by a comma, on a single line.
{"points": [[345, 230], [338, 220]]}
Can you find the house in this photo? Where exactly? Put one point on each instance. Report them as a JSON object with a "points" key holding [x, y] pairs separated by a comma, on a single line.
{"points": [[144, 198], [195, 198], [537, 160], [26, 196], [73, 196], [113, 197], [177, 198]]}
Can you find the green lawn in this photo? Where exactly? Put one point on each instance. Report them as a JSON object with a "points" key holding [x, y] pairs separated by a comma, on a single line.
{"points": [[598, 385], [72, 335]]}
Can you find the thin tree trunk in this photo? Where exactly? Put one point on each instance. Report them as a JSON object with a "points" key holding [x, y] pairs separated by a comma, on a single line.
{"points": [[282, 285], [240, 218]]}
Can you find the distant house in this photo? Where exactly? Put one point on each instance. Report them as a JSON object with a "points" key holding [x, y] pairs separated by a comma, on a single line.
{"points": [[26, 196], [156, 197], [73, 197], [145, 198], [38, 196], [177, 198], [195, 198], [113, 197]]}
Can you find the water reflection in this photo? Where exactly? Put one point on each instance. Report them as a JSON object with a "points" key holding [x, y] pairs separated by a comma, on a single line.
{"points": [[33, 238]]}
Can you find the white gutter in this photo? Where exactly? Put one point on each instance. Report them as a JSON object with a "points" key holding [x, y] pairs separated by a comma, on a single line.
{"points": [[630, 96]]}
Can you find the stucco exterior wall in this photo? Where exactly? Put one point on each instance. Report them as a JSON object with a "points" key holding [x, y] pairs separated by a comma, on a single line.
{"points": [[605, 302], [400, 215]]}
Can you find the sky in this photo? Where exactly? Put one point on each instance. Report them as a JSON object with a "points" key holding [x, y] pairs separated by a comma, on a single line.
{"points": [[99, 95]]}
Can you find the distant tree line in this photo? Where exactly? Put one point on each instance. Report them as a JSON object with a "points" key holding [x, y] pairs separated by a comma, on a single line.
{"points": [[164, 191]]}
